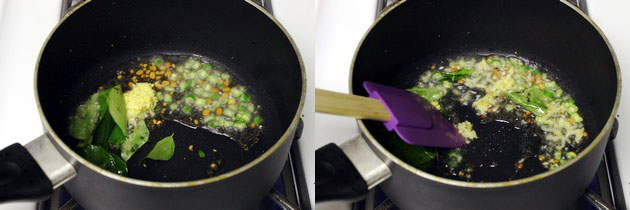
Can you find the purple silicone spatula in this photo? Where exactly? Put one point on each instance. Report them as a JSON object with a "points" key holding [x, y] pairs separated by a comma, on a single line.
{"points": [[410, 116]]}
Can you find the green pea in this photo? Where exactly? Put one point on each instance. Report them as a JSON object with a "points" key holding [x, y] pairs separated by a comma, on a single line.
{"points": [[214, 96], [158, 61], [245, 98], [258, 120], [242, 108], [207, 66]]}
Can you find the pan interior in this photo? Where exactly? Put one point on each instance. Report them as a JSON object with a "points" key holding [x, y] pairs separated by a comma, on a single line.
{"points": [[405, 42], [86, 49]]}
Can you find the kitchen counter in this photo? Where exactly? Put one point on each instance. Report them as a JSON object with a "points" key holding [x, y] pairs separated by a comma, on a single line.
{"points": [[24, 26]]}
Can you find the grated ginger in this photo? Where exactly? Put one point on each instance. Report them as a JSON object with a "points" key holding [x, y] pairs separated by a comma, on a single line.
{"points": [[140, 102], [466, 129]]}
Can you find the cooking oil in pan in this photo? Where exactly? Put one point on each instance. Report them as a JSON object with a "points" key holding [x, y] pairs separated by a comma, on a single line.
{"points": [[523, 122], [213, 119]]}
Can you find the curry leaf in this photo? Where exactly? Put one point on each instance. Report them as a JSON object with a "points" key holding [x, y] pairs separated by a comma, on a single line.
{"points": [[84, 121], [116, 137], [530, 105], [137, 137], [119, 167], [430, 94], [458, 75], [538, 96], [103, 129], [163, 150], [103, 159], [116, 107], [417, 156], [102, 101]]}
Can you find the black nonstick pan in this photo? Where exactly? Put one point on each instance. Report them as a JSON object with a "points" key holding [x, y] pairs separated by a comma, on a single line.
{"points": [[86, 49], [414, 34]]}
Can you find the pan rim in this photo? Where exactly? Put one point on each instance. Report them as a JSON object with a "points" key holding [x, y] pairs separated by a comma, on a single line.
{"points": [[365, 133], [292, 126]]}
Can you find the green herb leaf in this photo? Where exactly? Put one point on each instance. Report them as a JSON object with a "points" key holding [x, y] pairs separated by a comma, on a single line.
{"points": [[119, 167], [521, 100], [102, 101], [201, 154], [515, 97], [103, 129], [104, 159], [84, 121], [538, 97], [163, 150], [534, 108], [458, 75], [417, 156], [116, 137], [430, 94], [117, 109], [137, 137]]}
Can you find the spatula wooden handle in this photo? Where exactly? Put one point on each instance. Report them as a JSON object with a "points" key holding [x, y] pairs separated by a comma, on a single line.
{"points": [[350, 105]]}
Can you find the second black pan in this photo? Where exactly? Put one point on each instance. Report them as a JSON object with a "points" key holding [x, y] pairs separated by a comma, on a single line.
{"points": [[414, 34], [420, 33], [483, 29]]}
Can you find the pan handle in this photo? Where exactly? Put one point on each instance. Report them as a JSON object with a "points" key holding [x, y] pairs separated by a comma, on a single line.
{"points": [[348, 171], [31, 172]]}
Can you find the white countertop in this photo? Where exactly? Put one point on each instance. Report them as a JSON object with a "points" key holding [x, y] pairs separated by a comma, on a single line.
{"points": [[341, 25], [298, 17], [612, 17], [24, 25]]}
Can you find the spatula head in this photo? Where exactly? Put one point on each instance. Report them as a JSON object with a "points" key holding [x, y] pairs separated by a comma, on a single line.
{"points": [[414, 119]]}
